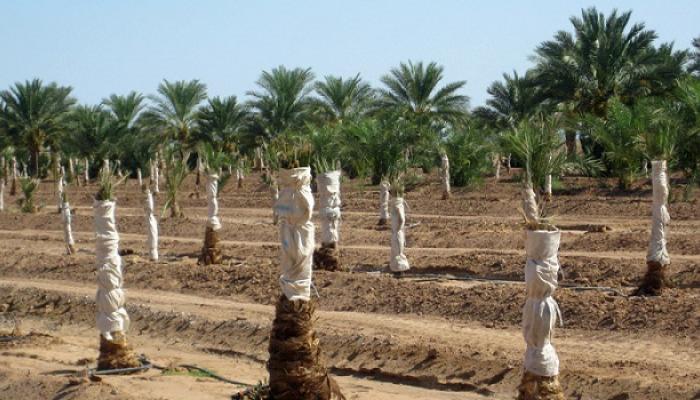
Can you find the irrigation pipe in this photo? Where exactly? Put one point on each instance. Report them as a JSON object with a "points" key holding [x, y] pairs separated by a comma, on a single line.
{"points": [[437, 277], [209, 373]]}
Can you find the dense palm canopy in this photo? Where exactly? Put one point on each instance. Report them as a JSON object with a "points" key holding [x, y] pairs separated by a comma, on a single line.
{"points": [[282, 101], [605, 57], [222, 122], [412, 91], [340, 98], [93, 133], [35, 115], [175, 109]]}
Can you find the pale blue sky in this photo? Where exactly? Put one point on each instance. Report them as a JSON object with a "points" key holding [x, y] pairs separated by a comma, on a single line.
{"points": [[107, 46]]}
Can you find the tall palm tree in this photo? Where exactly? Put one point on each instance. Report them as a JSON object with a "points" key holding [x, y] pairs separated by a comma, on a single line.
{"points": [[175, 110], [340, 98], [413, 92], [222, 122], [512, 100], [283, 100], [694, 66], [605, 57], [35, 113], [92, 129], [130, 144]]}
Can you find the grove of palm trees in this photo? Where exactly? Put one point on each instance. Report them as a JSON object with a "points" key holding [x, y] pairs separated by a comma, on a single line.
{"points": [[327, 237]]}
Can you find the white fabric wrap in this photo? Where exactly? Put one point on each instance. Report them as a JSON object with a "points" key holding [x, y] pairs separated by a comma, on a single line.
{"points": [[2, 194], [111, 314], [398, 261], [212, 202], [530, 209], [384, 200], [59, 193], [294, 208], [152, 240], [659, 214], [156, 177], [445, 170], [329, 195], [139, 177], [67, 229], [548, 185], [541, 311], [14, 167], [87, 171]]}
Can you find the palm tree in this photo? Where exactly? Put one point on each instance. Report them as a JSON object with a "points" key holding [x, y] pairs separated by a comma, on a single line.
{"points": [[602, 59], [35, 113], [222, 123], [694, 66], [92, 132], [412, 91], [283, 100], [512, 100], [340, 98], [132, 146], [175, 110]]}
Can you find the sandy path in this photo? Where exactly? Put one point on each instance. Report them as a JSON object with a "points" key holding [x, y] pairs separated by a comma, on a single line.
{"points": [[595, 353]]}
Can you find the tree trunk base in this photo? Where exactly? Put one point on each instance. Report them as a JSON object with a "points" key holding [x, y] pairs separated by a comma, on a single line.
{"points": [[381, 222], [326, 257], [116, 353], [534, 387], [13, 187], [446, 195], [295, 366], [70, 249], [654, 280], [211, 253]]}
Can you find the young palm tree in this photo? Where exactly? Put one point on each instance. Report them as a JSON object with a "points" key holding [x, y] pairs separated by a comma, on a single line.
{"points": [[176, 170], [283, 100], [340, 99], [213, 161], [534, 141], [295, 366], [28, 186], [659, 141], [413, 92], [175, 110], [112, 318], [35, 114], [605, 57], [619, 134]]}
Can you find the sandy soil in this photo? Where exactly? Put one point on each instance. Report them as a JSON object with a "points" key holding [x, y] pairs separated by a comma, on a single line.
{"points": [[450, 329]]}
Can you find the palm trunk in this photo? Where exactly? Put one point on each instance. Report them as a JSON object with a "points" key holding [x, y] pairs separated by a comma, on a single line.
{"points": [[398, 262], [326, 257], [13, 187], [383, 203], [87, 171], [211, 254], [295, 366], [152, 223], [34, 160], [112, 318], [570, 137], [445, 175], [2, 194], [658, 258], [540, 380], [59, 194], [67, 229], [139, 177]]}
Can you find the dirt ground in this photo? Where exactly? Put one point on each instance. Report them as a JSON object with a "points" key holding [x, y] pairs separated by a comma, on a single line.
{"points": [[449, 329]]}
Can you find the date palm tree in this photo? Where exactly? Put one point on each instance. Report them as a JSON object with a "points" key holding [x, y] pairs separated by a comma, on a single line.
{"points": [[175, 110], [282, 101], [132, 146], [604, 57], [413, 91], [92, 129], [340, 99], [35, 114], [694, 66], [222, 122], [511, 100]]}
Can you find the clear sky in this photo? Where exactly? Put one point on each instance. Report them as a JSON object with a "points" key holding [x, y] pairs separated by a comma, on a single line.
{"points": [[107, 46]]}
